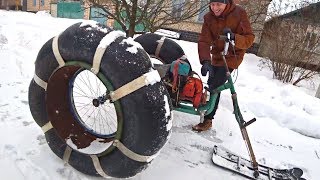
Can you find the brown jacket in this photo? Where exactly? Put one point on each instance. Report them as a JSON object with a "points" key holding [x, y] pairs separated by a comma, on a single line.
{"points": [[235, 18]]}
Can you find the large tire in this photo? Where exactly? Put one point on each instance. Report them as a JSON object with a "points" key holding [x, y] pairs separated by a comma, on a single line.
{"points": [[169, 50], [144, 116]]}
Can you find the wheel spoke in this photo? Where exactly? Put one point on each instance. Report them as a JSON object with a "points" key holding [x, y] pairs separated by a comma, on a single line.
{"points": [[105, 121], [82, 94], [96, 115], [83, 91], [110, 115], [81, 78], [90, 86]]}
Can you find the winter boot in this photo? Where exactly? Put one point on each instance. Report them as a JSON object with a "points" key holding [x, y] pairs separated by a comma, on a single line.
{"points": [[207, 124]]}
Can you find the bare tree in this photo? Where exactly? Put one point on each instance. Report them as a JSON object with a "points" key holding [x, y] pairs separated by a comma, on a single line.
{"points": [[153, 14], [292, 44]]}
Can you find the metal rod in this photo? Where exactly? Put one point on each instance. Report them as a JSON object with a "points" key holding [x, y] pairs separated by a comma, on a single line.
{"points": [[250, 149], [237, 111]]}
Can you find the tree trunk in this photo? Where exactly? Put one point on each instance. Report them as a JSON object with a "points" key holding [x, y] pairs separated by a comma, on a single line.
{"points": [[318, 92]]}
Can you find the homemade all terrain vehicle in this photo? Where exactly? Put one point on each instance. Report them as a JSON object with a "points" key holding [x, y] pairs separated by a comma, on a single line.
{"points": [[106, 111]]}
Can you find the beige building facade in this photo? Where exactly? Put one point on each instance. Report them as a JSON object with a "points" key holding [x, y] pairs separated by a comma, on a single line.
{"points": [[38, 5], [10, 4]]}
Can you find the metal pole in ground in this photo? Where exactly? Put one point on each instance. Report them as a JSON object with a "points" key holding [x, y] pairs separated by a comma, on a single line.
{"points": [[318, 92]]}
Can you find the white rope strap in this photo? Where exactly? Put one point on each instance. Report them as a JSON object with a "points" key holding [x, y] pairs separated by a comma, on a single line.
{"points": [[160, 43], [40, 82], [47, 127], [97, 60], [97, 166], [129, 88], [157, 57], [146, 79], [66, 154], [55, 49], [104, 43], [132, 155]]}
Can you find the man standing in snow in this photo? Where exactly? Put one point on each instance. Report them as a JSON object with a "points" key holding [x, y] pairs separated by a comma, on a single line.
{"points": [[224, 17]]}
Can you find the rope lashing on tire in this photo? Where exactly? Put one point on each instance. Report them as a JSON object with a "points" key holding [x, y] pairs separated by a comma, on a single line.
{"points": [[66, 154], [95, 161], [57, 55], [127, 152], [47, 127], [135, 84], [160, 43], [40, 82], [104, 43], [55, 49], [132, 155], [97, 166], [97, 60]]}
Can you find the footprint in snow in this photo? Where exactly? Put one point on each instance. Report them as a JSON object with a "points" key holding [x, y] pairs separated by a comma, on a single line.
{"points": [[2, 105], [25, 102], [26, 123], [68, 173], [210, 135], [41, 139], [25, 166]]}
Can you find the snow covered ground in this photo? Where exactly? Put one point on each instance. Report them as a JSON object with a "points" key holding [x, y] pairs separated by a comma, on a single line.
{"points": [[286, 133]]}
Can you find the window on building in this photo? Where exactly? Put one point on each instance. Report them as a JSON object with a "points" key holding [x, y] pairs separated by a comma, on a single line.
{"points": [[42, 2], [34, 2], [204, 10], [177, 8]]}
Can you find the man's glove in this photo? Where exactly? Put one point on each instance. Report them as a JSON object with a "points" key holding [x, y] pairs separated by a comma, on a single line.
{"points": [[206, 66], [227, 31]]}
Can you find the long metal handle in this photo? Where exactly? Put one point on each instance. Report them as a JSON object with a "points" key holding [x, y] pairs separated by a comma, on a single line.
{"points": [[250, 149], [238, 115]]}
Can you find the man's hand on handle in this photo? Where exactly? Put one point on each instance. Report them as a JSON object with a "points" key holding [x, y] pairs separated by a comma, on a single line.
{"points": [[227, 31], [206, 67]]}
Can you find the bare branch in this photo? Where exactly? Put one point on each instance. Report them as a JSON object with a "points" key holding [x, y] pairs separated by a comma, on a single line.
{"points": [[153, 14]]}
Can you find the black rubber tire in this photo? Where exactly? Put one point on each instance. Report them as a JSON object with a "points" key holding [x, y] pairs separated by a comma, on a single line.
{"points": [[169, 51], [145, 117]]}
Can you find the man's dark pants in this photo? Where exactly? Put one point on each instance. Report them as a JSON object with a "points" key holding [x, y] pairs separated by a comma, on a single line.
{"points": [[216, 79]]}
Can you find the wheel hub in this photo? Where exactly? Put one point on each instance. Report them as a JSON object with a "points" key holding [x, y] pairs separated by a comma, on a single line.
{"points": [[95, 102], [100, 100]]}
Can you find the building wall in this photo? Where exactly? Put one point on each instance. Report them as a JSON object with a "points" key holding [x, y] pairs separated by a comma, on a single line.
{"points": [[10, 4], [108, 3], [299, 25], [86, 14], [273, 49], [38, 6], [54, 10]]}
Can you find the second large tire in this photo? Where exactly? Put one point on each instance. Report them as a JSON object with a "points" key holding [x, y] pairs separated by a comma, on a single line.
{"points": [[168, 49]]}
